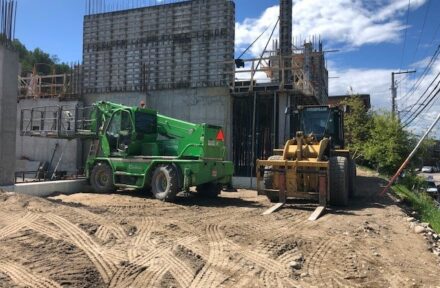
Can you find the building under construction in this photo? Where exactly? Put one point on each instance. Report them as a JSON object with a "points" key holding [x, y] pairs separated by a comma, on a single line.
{"points": [[178, 57]]}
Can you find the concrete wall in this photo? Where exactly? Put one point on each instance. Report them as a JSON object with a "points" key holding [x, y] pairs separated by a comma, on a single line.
{"points": [[8, 112], [42, 149]]}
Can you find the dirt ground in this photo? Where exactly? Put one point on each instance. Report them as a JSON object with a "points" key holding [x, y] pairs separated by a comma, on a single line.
{"points": [[130, 240]]}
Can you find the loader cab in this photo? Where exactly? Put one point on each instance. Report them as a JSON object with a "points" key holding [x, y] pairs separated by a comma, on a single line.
{"points": [[321, 121], [128, 129]]}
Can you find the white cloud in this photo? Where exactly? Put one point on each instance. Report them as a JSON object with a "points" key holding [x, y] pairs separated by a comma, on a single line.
{"points": [[377, 82], [350, 23]]}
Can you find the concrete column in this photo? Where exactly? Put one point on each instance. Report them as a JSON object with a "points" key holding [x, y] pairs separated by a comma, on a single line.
{"points": [[283, 122], [8, 114]]}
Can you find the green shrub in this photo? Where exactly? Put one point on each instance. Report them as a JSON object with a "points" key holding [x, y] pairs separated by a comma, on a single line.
{"points": [[422, 203]]}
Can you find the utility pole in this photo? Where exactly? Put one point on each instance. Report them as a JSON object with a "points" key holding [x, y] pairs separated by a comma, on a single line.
{"points": [[394, 91]]}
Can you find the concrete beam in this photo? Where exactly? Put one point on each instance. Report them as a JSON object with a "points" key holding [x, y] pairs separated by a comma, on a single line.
{"points": [[43, 189]]}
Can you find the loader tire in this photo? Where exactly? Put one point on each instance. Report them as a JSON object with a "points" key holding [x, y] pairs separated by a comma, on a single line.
{"points": [[101, 178], [165, 183], [352, 178], [339, 181], [209, 190], [268, 181]]}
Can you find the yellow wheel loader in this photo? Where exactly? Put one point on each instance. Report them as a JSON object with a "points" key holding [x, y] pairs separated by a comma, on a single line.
{"points": [[313, 165]]}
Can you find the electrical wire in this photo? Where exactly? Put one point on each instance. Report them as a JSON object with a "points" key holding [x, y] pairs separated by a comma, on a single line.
{"points": [[430, 101], [421, 78], [426, 90], [427, 110], [406, 30], [423, 29], [418, 111]]}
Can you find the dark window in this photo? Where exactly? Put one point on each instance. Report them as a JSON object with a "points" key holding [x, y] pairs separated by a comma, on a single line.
{"points": [[317, 121], [146, 123]]}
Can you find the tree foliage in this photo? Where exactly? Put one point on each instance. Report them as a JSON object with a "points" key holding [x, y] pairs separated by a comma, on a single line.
{"points": [[388, 145], [358, 124], [48, 64], [378, 140]]}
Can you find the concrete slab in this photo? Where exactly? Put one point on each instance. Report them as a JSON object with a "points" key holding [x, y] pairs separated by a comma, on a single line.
{"points": [[43, 189]]}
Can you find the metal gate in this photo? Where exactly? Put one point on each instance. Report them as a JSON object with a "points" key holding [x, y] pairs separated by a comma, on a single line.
{"points": [[254, 130]]}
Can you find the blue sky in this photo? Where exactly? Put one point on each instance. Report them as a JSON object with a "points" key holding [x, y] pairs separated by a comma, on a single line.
{"points": [[369, 34]]}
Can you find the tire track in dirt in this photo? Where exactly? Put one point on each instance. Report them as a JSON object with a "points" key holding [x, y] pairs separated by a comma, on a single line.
{"points": [[40, 227], [105, 228], [141, 264], [273, 270], [151, 277], [314, 262], [180, 270], [219, 266], [338, 270], [23, 276], [105, 266], [18, 224]]}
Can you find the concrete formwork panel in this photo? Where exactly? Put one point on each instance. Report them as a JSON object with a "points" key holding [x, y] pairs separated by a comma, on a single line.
{"points": [[171, 46], [8, 112]]}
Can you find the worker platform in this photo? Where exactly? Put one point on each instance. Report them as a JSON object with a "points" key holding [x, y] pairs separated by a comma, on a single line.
{"points": [[61, 122]]}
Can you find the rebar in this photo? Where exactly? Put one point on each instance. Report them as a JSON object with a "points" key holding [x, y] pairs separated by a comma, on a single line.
{"points": [[8, 14], [94, 7]]}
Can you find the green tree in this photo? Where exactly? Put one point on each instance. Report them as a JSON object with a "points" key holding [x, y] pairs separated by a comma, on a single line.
{"points": [[358, 123], [47, 62], [388, 144]]}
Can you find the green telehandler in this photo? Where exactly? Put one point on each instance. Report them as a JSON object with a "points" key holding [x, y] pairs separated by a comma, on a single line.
{"points": [[134, 147]]}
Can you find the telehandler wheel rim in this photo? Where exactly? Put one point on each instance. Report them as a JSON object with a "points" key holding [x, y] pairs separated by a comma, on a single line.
{"points": [[165, 183], [102, 179], [161, 183]]}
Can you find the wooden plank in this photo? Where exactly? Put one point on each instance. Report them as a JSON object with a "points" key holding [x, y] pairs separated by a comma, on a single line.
{"points": [[273, 208], [317, 213]]}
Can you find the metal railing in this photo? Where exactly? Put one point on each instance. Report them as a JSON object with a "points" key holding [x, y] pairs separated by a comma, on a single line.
{"points": [[65, 122]]}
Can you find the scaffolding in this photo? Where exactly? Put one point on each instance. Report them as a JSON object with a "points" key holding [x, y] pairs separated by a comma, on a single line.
{"points": [[66, 86], [264, 90]]}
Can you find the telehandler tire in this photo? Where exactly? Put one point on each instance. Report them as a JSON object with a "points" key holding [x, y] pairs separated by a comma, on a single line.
{"points": [[339, 181], [164, 183], [101, 178], [268, 181], [209, 190]]}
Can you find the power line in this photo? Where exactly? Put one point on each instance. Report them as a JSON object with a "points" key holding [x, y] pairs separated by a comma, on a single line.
{"points": [[423, 30], [418, 111], [422, 77], [406, 30], [433, 97], [427, 110], [426, 90]]}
